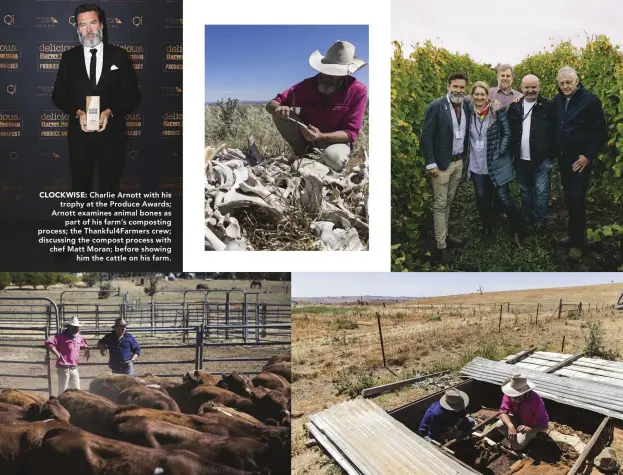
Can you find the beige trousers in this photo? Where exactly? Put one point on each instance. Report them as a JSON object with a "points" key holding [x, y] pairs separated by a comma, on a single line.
{"points": [[68, 378], [444, 188], [522, 439], [335, 155]]}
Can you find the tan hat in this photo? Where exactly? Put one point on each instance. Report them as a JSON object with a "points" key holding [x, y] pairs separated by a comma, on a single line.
{"points": [[517, 386], [454, 400], [74, 322], [340, 60], [120, 322]]}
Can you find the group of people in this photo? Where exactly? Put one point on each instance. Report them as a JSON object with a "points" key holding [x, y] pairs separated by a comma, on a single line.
{"points": [[522, 415], [495, 134], [121, 346]]}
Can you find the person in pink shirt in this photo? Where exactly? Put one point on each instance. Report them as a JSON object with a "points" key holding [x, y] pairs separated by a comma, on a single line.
{"points": [[523, 413], [66, 347], [324, 111]]}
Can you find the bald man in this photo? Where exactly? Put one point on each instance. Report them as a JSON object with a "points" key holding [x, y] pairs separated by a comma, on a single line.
{"points": [[532, 121]]}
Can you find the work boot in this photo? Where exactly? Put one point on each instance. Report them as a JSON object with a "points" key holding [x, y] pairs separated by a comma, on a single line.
{"points": [[455, 242], [575, 254], [444, 257]]}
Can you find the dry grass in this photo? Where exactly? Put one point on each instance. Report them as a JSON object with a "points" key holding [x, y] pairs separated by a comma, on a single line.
{"points": [[292, 232], [328, 360]]}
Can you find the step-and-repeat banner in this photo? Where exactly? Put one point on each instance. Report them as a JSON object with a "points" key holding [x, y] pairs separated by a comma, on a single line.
{"points": [[33, 141]]}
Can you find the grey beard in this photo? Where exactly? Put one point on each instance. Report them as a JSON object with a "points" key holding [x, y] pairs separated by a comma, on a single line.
{"points": [[456, 99], [98, 37]]}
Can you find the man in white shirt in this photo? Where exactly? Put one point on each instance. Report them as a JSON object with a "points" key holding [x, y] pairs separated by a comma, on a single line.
{"points": [[532, 122]]}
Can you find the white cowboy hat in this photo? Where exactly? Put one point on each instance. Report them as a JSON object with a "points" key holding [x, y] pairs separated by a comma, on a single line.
{"points": [[517, 386], [340, 60], [454, 400], [74, 322], [120, 322]]}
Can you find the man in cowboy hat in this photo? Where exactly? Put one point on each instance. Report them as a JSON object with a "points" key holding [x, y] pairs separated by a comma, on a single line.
{"points": [[523, 413], [66, 347], [123, 348], [326, 109], [447, 418]]}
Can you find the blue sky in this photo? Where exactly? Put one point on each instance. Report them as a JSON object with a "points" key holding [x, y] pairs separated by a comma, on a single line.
{"points": [[256, 62], [402, 284]]}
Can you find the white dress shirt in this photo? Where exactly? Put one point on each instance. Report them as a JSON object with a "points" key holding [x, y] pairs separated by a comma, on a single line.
{"points": [[525, 134], [99, 61]]}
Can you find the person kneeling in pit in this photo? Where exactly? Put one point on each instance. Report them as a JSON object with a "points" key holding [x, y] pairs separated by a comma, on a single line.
{"points": [[324, 111], [523, 413], [447, 418]]}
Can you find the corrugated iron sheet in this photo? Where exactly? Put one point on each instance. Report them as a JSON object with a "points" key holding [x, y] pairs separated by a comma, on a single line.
{"points": [[589, 369], [364, 439], [600, 398]]}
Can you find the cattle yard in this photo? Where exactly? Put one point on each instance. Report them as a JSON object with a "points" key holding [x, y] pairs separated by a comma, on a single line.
{"points": [[337, 350]]}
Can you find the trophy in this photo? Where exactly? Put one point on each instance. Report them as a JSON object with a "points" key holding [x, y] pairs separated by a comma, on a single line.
{"points": [[93, 113]]}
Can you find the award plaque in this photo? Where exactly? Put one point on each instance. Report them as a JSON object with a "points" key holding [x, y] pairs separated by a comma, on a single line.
{"points": [[93, 112]]}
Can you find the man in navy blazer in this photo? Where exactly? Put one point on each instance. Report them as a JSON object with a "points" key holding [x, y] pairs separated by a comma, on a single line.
{"points": [[96, 68], [581, 133], [445, 142]]}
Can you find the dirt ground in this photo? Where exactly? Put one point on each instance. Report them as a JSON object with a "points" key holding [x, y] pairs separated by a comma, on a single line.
{"points": [[336, 347]]}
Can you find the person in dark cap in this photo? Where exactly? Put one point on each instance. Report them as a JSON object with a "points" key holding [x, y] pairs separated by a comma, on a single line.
{"points": [[447, 418], [124, 349]]}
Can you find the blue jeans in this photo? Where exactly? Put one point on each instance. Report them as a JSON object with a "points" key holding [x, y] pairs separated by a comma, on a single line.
{"points": [[534, 186], [483, 186], [123, 368]]}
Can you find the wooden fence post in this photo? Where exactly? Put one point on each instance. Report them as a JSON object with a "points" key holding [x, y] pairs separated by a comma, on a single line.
{"points": [[559, 309], [562, 350], [378, 318], [500, 324]]}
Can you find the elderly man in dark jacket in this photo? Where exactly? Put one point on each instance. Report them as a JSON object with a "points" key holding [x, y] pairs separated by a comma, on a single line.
{"points": [[445, 141], [581, 133], [532, 122]]}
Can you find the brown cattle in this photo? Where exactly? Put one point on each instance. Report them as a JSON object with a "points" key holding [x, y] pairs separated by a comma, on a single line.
{"points": [[147, 396], [280, 365], [88, 411], [236, 452], [202, 377], [20, 398], [165, 383], [209, 423], [270, 406], [217, 408], [79, 452], [19, 443], [51, 409], [236, 382], [110, 385], [272, 381]]}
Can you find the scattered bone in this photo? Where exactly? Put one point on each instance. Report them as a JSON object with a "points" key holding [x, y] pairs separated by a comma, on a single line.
{"points": [[607, 460], [338, 200]]}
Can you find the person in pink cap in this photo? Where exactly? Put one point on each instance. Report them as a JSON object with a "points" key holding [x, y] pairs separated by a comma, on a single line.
{"points": [[523, 413], [66, 347], [324, 111]]}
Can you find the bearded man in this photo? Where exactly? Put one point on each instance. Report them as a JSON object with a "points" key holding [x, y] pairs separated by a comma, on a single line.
{"points": [[324, 111], [95, 68], [444, 142]]}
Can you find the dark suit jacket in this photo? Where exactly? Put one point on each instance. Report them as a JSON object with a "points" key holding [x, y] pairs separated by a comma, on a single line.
{"points": [[117, 88], [438, 132], [542, 129]]}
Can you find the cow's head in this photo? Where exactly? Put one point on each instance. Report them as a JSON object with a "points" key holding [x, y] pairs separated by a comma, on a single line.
{"points": [[270, 404], [51, 409], [236, 382]]}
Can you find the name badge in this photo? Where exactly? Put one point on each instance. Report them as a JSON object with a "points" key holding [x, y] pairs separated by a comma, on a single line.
{"points": [[480, 144], [458, 134]]}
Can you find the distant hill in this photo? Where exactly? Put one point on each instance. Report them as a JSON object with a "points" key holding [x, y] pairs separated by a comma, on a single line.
{"points": [[244, 103], [349, 299]]}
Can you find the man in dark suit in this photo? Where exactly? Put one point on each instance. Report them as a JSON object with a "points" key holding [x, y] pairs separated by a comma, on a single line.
{"points": [[581, 133], [532, 121], [99, 69], [444, 142]]}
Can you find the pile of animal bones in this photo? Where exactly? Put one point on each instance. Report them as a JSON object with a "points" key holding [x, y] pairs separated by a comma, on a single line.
{"points": [[337, 201]]}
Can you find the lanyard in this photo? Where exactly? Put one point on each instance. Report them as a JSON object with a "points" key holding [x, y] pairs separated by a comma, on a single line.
{"points": [[482, 123], [528, 113]]}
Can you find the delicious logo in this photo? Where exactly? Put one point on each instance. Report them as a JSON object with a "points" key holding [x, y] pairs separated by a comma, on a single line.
{"points": [[9, 56], [53, 124], [173, 22], [49, 54], [45, 22], [10, 124], [134, 124], [173, 57], [171, 125], [137, 53], [137, 21], [11, 89], [171, 91]]}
